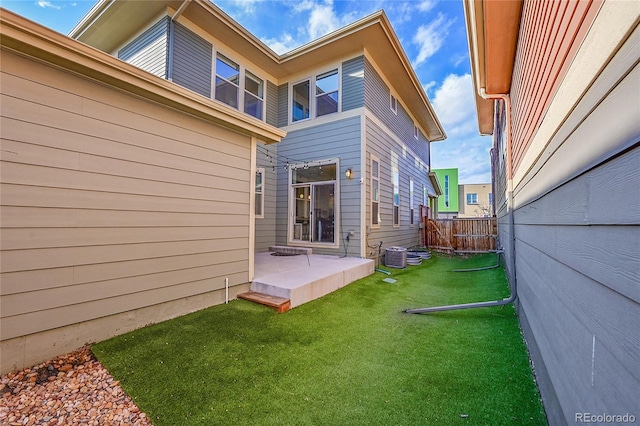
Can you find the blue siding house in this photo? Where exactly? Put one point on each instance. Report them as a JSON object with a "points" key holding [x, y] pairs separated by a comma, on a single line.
{"points": [[354, 168]]}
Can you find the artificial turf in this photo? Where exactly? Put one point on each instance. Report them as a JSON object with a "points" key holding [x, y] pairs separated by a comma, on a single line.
{"points": [[350, 358]]}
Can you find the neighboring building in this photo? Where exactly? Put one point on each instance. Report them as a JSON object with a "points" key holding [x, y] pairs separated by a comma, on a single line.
{"points": [[476, 200], [448, 202], [129, 199], [558, 86], [356, 156]]}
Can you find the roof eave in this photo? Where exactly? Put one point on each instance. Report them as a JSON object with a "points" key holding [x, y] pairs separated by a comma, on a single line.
{"points": [[492, 34]]}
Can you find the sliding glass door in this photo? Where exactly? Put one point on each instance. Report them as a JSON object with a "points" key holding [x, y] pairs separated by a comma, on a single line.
{"points": [[313, 195]]}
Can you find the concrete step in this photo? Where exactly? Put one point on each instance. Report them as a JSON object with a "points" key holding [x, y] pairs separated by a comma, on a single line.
{"points": [[308, 279], [291, 250], [280, 304]]}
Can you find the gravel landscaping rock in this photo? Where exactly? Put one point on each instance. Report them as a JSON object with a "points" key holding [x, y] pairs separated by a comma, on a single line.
{"points": [[71, 389]]}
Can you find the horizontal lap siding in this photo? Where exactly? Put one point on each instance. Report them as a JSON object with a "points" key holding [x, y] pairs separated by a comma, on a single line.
{"points": [[111, 204], [381, 144], [336, 139], [192, 61], [266, 226], [577, 254], [353, 84], [551, 33], [149, 50]]}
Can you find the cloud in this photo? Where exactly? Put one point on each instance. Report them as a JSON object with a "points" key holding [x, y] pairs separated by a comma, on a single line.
{"points": [[465, 149], [284, 44], [323, 19], [454, 103], [428, 86], [426, 5], [47, 4], [430, 38], [318, 18]]}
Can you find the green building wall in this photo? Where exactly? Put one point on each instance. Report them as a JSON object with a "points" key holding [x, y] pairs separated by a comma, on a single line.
{"points": [[448, 179]]}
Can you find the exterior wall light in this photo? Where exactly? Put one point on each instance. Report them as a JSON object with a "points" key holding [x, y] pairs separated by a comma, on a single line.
{"points": [[349, 173]]}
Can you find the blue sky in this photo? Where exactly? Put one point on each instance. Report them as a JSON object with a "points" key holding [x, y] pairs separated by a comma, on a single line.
{"points": [[432, 34]]}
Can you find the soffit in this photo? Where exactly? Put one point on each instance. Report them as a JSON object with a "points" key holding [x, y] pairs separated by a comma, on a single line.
{"points": [[111, 23], [492, 32]]}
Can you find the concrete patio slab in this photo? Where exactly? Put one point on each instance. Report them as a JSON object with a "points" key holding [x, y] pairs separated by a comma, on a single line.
{"points": [[303, 278]]}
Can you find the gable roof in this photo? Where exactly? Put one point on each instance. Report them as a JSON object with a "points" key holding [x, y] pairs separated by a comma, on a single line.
{"points": [[110, 22]]}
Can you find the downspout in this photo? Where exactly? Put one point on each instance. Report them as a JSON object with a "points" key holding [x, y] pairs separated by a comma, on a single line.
{"points": [[512, 261]]}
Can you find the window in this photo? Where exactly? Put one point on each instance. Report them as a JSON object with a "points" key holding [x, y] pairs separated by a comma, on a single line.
{"points": [[396, 196], [490, 199], [415, 131], [227, 81], [411, 205], [327, 93], [300, 107], [472, 198], [446, 190], [424, 195], [314, 203], [259, 197], [393, 104], [253, 95], [375, 191]]}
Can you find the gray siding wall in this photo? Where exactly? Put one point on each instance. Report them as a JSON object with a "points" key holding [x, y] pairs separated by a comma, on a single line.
{"points": [[577, 252], [381, 144], [149, 50], [272, 104], [265, 230], [579, 282], [283, 106], [353, 83], [192, 61], [116, 211], [377, 96], [337, 139]]}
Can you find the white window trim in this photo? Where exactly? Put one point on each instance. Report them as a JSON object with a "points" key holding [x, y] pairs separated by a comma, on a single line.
{"points": [[476, 196], [392, 107], [241, 86], [395, 171], [416, 131], [372, 179], [337, 211], [260, 170], [312, 95], [412, 207]]}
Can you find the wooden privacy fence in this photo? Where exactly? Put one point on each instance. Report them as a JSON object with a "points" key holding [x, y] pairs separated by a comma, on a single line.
{"points": [[473, 235]]}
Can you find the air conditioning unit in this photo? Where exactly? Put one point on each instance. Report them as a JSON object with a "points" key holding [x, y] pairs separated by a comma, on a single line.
{"points": [[395, 257]]}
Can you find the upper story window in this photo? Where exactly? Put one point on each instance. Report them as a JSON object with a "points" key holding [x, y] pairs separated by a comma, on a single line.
{"points": [[227, 81], [253, 95], [472, 198], [326, 89], [393, 104], [416, 132], [239, 88], [491, 198], [300, 109], [327, 93]]}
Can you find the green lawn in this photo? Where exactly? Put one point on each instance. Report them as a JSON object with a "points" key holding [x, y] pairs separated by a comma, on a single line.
{"points": [[349, 358]]}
